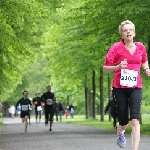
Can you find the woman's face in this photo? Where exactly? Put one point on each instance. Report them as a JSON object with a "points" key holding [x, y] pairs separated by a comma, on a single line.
{"points": [[128, 32]]}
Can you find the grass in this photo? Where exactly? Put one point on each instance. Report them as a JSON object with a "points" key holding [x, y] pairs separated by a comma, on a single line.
{"points": [[96, 123], [89, 122]]}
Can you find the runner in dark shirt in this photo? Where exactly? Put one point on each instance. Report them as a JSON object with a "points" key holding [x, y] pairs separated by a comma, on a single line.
{"points": [[113, 111], [48, 99], [25, 108], [37, 102]]}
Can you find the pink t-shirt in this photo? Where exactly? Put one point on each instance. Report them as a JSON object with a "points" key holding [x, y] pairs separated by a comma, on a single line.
{"points": [[118, 53]]}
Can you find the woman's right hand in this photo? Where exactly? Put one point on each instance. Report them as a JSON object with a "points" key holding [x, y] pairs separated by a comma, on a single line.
{"points": [[123, 64]]}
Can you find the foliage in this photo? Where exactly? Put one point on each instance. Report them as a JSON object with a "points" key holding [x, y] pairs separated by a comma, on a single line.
{"points": [[61, 43], [20, 31]]}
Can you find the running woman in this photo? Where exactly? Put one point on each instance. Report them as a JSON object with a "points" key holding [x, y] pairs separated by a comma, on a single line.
{"points": [[125, 58], [48, 99], [25, 108]]}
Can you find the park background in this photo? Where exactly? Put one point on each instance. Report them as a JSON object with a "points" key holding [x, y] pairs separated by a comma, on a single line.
{"points": [[63, 43]]}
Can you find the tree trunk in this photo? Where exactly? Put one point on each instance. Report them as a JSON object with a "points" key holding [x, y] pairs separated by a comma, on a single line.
{"points": [[101, 96], [86, 103], [5, 109], [89, 104], [67, 100], [93, 92], [86, 97]]}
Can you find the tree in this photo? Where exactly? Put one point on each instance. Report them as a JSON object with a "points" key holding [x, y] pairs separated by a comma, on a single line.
{"points": [[20, 31]]}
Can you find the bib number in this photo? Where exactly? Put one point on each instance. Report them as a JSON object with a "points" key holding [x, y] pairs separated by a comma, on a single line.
{"points": [[49, 101], [128, 77], [25, 107]]}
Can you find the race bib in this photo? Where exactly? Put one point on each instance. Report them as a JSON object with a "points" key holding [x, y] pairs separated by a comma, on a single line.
{"points": [[49, 101], [128, 77], [39, 108], [25, 107]]}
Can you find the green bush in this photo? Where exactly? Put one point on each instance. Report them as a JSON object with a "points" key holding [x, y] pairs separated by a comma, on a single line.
{"points": [[145, 109]]}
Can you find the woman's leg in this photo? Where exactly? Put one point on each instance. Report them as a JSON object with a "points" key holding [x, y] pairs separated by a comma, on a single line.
{"points": [[135, 105], [135, 134], [121, 101]]}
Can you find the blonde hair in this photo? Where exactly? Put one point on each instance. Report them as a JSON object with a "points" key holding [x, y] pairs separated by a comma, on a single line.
{"points": [[124, 23]]}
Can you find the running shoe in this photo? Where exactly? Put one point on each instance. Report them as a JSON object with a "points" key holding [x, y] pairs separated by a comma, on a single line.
{"points": [[121, 141]]}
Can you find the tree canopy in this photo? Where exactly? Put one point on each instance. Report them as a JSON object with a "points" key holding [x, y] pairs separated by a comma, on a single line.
{"points": [[62, 42]]}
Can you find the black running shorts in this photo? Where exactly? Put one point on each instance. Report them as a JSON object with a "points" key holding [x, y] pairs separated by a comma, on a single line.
{"points": [[24, 114], [128, 101]]}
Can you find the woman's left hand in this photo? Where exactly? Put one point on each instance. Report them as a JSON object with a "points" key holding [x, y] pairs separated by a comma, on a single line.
{"points": [[147, 72]]}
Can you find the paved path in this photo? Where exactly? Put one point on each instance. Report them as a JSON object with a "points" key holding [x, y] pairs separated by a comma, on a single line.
{"points": [[63, 137]]}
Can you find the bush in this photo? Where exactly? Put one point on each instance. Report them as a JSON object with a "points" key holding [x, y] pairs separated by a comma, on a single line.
{"points": [[145, 109]]}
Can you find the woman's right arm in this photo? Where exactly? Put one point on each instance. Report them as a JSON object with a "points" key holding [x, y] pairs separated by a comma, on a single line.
{"points": [[108, 69]]}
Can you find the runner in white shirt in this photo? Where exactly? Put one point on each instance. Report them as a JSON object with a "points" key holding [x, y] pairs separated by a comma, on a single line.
{"points": [[13, 110]]}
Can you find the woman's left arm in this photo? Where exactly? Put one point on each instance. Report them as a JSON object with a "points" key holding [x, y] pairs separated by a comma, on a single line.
{"points": [[145, 65], [146, 68]]}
